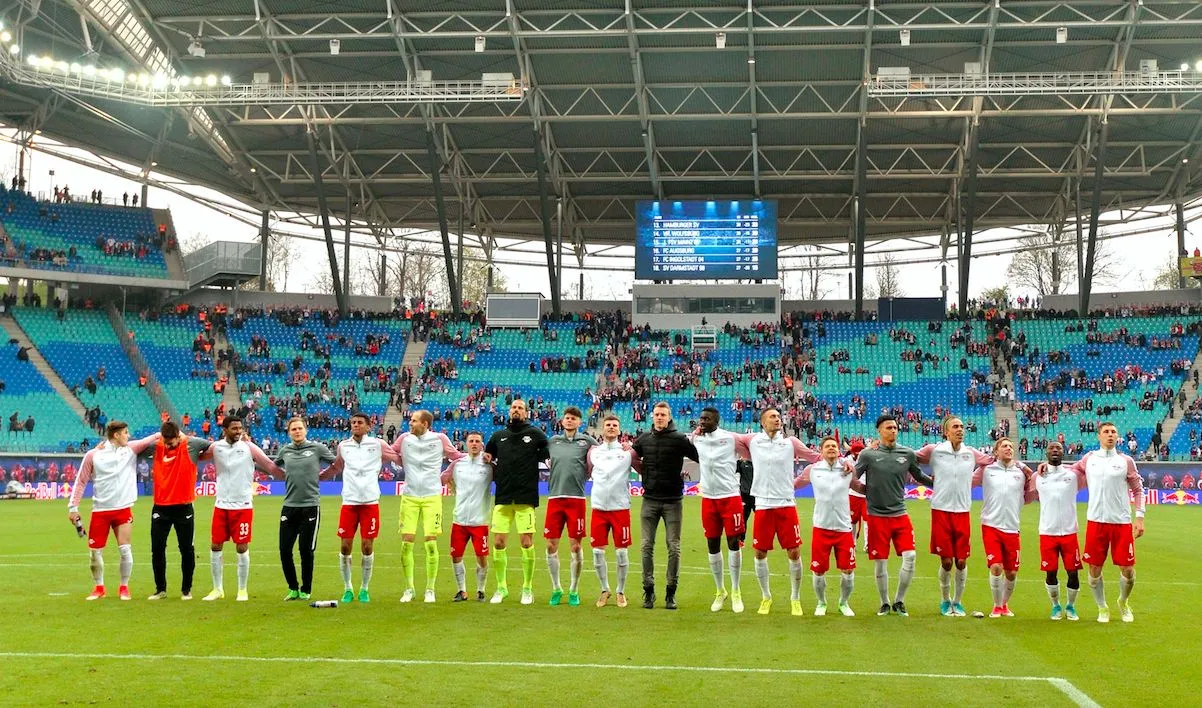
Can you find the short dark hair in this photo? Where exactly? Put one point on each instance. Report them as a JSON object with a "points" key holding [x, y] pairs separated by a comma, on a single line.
{"points": [[573, 410], [360, 414], [230, 420], [1108, 423], [114, 427], [828, 437], [662, 404], [886, 418], [711, 409], [169, 430], [768, 410], [477, 433], [611, 416]]}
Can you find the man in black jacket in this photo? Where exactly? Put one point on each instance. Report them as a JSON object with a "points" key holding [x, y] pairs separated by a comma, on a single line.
{"points": [[663, 450], [516, 451]]}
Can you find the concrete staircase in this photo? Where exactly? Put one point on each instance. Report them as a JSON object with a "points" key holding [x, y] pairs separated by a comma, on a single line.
{"points": [[14, 331], [1003, 412], [134, 354], [231, 398], [1173, 418], [174, 259], [415, 352]]}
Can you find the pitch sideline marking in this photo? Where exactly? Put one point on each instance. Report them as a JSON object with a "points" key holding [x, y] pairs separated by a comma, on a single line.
{"points": [[1076, 695]]}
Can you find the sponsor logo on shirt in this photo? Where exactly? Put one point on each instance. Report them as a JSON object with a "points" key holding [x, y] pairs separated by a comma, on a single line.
{"points": [[526, 439]]}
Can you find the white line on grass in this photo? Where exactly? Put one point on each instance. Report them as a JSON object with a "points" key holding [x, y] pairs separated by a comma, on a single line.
{"points": [[1076, 695]]}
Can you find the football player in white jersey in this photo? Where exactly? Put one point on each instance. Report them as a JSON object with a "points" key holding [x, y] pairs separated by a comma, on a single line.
{"points": [[718, 453], [360, 459], [832, 482], [471, 477], [1006, 485], [1057, 487], [609, 465]]}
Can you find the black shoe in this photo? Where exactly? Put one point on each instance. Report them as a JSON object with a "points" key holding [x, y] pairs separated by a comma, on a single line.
{"points": [[670, 598], [884, 610], [459, 597], [900, 608], [648, 597], [479, 596]]}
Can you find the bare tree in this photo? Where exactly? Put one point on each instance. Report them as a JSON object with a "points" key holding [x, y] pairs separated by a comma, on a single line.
{"points": [[281, 254], [1049, 264], [813, 279], [194, 242], [998, 296], [475, 277], [1167, 275], [888, 279]]}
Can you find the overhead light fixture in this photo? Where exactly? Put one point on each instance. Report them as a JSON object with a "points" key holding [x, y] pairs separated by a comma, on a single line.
{"points": [[33, 60], [154, 164], [750, 60], [5, 36], [196, 49], [226, 81], [1061, 35], [117, 75], [1198, 66], [211, 80], [905, 37], [479, 43], [335, 46], [720, 40], [1185, 66]]}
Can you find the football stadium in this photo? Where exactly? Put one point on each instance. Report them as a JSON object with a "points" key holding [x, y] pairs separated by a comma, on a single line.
{"points": [[838, 352]]}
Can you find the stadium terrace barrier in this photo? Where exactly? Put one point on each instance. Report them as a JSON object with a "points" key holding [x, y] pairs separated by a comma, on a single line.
{"points": [[42, 466]]}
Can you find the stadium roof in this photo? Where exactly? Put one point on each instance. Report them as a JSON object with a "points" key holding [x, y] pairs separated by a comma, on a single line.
{"points": [[639, 102]]}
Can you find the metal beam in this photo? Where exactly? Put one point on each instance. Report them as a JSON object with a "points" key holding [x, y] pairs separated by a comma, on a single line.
{"points": [[1179, 208], [1095, 208], [443, 228], [324, 210], [265, 244], [969, 217], [544, 199], [861, 217], [644, 110]]}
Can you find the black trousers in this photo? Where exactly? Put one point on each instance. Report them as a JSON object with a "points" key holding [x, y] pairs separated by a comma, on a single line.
{"points": [[299, 523], [163, 519]]}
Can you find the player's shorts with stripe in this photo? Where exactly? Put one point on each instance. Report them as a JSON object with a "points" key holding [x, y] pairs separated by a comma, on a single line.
{"points": [[781, 524], [460, 535], [101, 522], [859, 508], [232, 525], [1101, 537], [430, 511], [951, 534], [1053, 548], [823, 542], [564, 512], [1001, 547], [603, 523], [362, 517], [513, 517], [724, 515], [886, 530]]}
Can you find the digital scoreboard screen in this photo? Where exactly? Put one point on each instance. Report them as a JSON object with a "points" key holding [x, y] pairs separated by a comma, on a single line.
{"points": [[705, 240]]}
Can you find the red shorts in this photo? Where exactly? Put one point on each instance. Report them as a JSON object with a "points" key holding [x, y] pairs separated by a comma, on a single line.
{"points": [[1053, 548], [723, 515], [564, 512], [460, 535], [781, 524], [885, 530], [101, 522], [232, 525], [859, 508], [364, 517], [823, 541], [1117, 538], [950, 534], [1000, 547], [603, 522]]}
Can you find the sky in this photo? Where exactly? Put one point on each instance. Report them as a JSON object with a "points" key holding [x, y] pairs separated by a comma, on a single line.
{"points": [[1139, 257]]}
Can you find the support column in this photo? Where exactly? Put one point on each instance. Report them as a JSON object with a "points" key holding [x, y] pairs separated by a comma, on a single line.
{"points": [[1180, 209], [265, 244], [544, 199], [441, 206], [861, 215], [346, 248], [1095, 208], [970, 206], [323, 208], [459, 264]]}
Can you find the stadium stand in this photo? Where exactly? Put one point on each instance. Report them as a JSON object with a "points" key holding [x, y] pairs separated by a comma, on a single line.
{"points": [[27, 395], [313, 364], [85, 238], [85, 353], [180, 353]]}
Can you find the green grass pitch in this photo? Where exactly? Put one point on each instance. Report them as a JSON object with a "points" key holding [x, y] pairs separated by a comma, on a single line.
{"points": [[56, 648]]}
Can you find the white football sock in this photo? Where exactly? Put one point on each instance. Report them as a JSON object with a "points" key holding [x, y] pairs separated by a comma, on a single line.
{"points": [[96, 563], [460, 575], [1125, 587], [602, 568], [820, 588], [905, 575], [243, 569], [846, 584], [553, 569], [623, 555], [945, 584], [368, 563], [716, 570], [1007, 590], [575, 568], [995, 589], [127, 562], [881, 573], [961, 581], [344, 565], [481, 577], [761, 574], [1072, 596], [216, 568], [1097, 587], [735, 561], [1054, 593], [795, 579]]}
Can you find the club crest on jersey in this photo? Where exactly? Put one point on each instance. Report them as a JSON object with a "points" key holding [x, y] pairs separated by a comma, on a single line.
{"points": [[901, 460], [526, 439], [307, 453]]}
